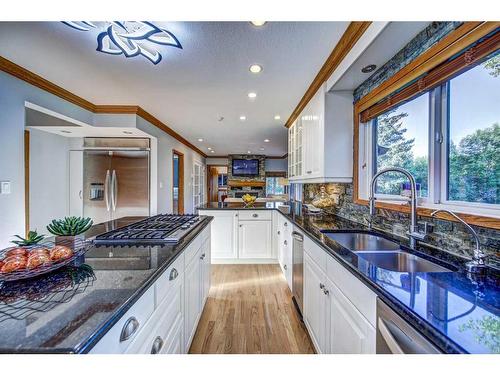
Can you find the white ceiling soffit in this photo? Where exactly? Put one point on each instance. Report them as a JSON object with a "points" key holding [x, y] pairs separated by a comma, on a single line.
{"points": [[381, 41], [193, 87], [49, 121]]}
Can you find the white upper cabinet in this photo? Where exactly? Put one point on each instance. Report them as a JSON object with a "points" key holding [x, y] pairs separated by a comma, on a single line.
{"points": [[320, 140]]}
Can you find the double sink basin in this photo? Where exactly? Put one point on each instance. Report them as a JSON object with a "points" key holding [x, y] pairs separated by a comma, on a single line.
{"points": [[382, 253]]}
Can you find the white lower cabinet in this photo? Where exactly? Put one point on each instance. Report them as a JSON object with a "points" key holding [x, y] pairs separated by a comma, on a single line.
{"points": [[193, 298], [254, 239], [242, 236], [349, 331], [165, 317], [315, 304], [332, 315], [224, 234]]}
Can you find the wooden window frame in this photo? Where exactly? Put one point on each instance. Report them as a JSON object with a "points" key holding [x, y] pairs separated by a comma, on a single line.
{"points": [[432, 68]]}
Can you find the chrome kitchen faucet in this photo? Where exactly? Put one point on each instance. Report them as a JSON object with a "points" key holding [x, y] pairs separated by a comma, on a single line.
{"points": [[414, 233]]}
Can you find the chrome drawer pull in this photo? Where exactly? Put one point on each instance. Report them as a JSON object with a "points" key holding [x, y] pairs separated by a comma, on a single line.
{"points": [[285, 242], [173, 274], [326, 291], [321, 286], [202, 256], [129, 328], [279, 233], [284, 266], [157, 345], [255, 215]]}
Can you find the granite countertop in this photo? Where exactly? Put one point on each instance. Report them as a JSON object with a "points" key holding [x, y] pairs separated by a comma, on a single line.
{"points": [[457, 313], [69, 310]]}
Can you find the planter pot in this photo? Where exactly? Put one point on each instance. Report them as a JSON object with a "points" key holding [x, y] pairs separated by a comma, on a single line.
{"points": [[73, 242]]}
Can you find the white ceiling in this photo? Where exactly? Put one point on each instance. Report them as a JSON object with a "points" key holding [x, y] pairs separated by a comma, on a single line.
{"points": [[194, 86], [389, 42]]}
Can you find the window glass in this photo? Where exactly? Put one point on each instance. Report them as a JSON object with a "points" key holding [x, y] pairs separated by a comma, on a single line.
{"points": [[274, 186], [474, 134], [402, 140]]}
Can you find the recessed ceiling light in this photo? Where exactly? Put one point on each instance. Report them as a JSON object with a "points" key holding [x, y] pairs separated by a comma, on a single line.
{"points": [[212, 151], [65, 131], [266, 140], [200, 139], [249, 152], [252, 95], [255, 68], [209, 148], [243, 118], [277, 117], [369, 68], [258, 23], [262, 149]]}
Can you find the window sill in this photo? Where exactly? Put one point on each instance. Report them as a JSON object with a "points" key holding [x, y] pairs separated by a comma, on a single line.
{"points": [[488, 218]]}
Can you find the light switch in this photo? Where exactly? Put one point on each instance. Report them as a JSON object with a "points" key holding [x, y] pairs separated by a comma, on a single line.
{"points": [[4, 187]]}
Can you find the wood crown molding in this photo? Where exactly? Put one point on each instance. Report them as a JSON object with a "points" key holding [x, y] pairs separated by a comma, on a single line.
{"points": [[238, 183], [36, 80], [352, 34]]}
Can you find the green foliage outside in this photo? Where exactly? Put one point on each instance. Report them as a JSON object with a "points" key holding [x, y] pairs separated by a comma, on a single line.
{"points": [[486, 331], [474, 163]]}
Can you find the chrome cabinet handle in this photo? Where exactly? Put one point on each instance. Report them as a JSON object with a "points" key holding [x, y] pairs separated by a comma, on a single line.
{"points": [[129, 328], [106, 190], [173, 274], [157, 345], [279, 233], [284, 266], [321, 286], [309, 172], [255, 215], [326, 291], [285, 242], [285, 224], [202, 256], [114, 190]]}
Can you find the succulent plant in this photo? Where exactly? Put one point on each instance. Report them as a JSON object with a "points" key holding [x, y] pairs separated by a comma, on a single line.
{"points": [[69, 226], [31, 239]]}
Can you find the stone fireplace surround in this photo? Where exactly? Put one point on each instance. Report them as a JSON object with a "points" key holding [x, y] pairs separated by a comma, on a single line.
{"points": [[237, 185]]}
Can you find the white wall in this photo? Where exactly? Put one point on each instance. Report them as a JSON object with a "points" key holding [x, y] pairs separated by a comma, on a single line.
{"points": [[13, 94], [164, 153], [49, 178]]}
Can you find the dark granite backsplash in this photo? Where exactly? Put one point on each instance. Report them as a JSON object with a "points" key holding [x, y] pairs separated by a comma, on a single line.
{"points": [[447, 235]]}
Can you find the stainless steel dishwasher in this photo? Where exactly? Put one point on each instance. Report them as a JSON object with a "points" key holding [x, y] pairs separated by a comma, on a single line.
{"points": [[395, 336], [298, 269]]}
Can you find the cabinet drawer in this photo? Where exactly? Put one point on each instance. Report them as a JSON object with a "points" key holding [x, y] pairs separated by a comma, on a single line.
{"points": [[316, 253], [358, 293], [205, 234], [114, 342], [156, 331], [255, 215], [192, 249], [169, 279]]}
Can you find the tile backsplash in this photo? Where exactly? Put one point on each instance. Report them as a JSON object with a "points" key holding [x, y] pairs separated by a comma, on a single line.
{"points": [[447, 235]]}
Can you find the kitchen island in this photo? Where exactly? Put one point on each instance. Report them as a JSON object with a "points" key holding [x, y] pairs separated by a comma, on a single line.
{"points": [[108, 302], [455, 312]]}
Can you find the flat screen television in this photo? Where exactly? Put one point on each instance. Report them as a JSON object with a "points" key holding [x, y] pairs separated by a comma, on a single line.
{"points": [[245, 167]]}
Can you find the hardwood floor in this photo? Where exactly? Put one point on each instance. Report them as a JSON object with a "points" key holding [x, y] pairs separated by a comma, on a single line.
{"points": [[250, 310]]}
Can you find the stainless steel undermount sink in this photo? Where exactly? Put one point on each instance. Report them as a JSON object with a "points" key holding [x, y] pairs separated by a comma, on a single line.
{"points": [[401, 262], [365, 242], [383, 253]]}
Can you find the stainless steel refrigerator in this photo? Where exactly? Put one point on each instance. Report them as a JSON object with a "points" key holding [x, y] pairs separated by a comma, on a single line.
{"points": [[115, 184]]}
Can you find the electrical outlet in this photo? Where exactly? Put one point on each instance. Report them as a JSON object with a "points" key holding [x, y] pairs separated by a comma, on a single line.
{"points": [[4, 187]]}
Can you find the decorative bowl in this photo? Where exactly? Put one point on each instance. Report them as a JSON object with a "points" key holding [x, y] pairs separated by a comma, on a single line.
{"points": [[248, 199]]}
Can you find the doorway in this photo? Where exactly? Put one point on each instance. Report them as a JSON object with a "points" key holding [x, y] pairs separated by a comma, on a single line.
{"points": [[216, 183], [177, 183]]}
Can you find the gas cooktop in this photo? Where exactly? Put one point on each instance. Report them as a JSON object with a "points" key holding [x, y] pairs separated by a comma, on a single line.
{"points": [[155, 230]]}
